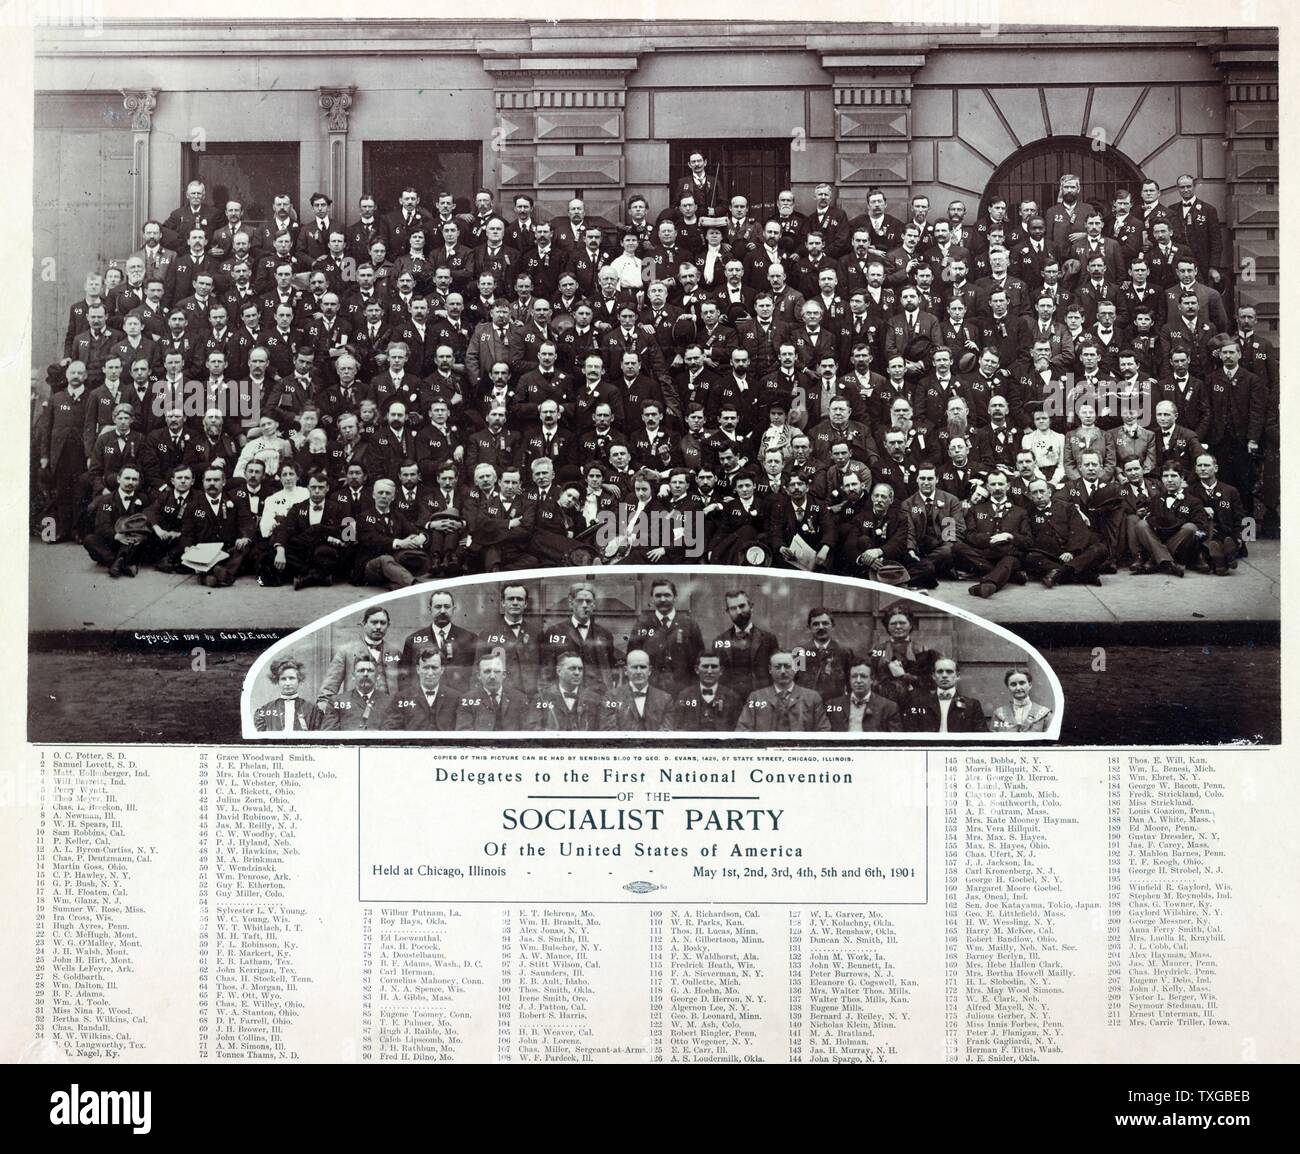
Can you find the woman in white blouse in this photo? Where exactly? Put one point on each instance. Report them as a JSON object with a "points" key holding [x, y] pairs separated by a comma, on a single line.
{"points": [[1021, 714]]}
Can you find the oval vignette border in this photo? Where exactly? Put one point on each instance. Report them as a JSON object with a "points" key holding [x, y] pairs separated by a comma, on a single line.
{"points": [[424, 588]]}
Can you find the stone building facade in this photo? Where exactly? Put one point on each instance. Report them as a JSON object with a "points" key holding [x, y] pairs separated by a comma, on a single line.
{"points": [[607, 109]]}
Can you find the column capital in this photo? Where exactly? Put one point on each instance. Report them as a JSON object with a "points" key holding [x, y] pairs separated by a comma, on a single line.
{"points": [[336, 104], [140, 103]]}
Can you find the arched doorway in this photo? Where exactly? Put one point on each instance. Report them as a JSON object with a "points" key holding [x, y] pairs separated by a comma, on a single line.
{"points": [[1034, 173]]}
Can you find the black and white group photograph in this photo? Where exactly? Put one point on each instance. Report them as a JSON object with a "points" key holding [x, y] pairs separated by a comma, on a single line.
{"points": [[985, 315], [649, 651]]}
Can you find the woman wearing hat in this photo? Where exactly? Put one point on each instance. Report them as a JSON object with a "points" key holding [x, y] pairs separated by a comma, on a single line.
{"points": [[900, 665], [1020, 714], [711, 260], [415, 261], [291, 709]]}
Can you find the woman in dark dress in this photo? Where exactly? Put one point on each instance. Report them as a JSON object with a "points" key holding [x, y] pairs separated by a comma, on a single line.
{"points": [[899, 664], [291, 710]]}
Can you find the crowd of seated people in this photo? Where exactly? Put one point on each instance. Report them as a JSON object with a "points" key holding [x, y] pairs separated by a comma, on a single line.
{"points": [[1054, 394]]}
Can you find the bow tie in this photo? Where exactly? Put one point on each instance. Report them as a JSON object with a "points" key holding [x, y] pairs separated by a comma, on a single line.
{"points": [[947, 694]]}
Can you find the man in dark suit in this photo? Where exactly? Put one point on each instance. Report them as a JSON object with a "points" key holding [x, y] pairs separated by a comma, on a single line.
{"points": [[1226, 513], [308, 542], [215, 518], [1064, 546], [743, 650], [426, 704], [313, 237], [705, 705], [458, 647], [371, 645], [1238, 406], [516, 641], [368, 228], [1196, 225], [997, 535], [912, 334], [409, 217], [119, 551], [942, 709], [1178, 522], [1101, 503], [671, 637], [637, 705], [783, 707], [860, 710], [822, 664], [490, 706], [364, 706], [194, 213], [568, 705], [579, 634], [709, 194], [156, 256]]}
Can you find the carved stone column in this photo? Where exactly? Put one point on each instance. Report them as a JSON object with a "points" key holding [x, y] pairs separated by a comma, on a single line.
{"points": [[140, 103], [336, 103], [873, 125], [1250, 81]]}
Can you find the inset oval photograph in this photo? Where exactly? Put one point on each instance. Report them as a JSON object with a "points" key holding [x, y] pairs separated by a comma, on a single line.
{"points": [[649, 652]]}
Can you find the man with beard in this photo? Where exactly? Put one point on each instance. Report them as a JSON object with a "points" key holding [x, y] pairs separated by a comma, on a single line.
{"points": [[1068, 217], [913, 334], [395, 442], [872, 530], [743, 650]]}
